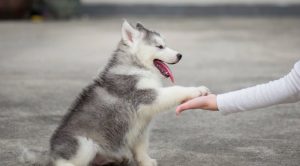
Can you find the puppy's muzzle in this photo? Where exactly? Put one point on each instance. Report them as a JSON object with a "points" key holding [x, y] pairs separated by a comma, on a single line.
{"points": [[179, 57]]}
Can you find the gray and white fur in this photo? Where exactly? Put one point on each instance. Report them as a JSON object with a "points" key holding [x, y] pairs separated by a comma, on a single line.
{"points": [[108, 122]]}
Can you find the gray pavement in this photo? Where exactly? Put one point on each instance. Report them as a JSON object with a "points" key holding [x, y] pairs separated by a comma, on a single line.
{"points": [[44, 66]]}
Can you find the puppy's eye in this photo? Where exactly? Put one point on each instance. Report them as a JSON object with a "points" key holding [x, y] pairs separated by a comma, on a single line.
{"points": [[160, 47]]}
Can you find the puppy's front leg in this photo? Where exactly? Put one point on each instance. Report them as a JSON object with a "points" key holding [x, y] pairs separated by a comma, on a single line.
{"points": [[140, 151], [171, 96]]}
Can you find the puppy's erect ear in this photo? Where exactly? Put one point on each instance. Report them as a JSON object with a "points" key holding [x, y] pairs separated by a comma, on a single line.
{"points": [[129, 34], [140, 27]]}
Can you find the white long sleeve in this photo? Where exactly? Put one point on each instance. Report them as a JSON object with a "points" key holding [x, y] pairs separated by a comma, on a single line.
{"points": [[283, 90]]}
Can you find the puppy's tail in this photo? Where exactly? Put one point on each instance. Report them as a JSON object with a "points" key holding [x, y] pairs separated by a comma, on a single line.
{"points": [[30, 157]]}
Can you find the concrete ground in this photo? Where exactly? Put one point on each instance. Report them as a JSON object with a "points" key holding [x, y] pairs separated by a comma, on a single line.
{"points": [[43, 66]]}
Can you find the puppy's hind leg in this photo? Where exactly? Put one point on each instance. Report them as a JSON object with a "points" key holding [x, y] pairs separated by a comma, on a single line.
{"points": [[73, 151]]}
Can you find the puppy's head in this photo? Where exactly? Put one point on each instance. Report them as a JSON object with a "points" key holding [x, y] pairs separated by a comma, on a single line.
{"points": [[149, 48]]}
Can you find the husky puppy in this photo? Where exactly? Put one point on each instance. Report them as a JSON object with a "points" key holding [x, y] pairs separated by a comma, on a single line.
{"points": [[108, 123]]}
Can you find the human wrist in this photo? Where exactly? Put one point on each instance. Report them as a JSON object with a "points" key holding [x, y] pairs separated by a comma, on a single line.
{"points": [[213, 105]]}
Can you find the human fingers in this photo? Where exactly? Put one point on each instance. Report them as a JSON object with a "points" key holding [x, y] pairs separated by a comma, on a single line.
{"points": [[190, 104]]}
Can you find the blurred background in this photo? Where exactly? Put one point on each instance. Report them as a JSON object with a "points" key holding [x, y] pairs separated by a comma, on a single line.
{"points": [[66, 9], [51, 49]]}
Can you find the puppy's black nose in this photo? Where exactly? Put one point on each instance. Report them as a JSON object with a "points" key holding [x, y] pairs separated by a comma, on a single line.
{"points": [[179, 56]]}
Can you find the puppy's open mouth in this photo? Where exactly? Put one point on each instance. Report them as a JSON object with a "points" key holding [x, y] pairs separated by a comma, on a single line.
{"points": [[164, 69]]}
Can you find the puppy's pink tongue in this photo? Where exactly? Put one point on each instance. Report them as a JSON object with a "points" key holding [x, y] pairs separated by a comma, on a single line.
{"points": [[172, 78], [169, 73], [164, 69]]}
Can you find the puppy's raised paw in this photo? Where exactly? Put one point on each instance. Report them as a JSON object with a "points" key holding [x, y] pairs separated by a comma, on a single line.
{"points": [[204, 91]]}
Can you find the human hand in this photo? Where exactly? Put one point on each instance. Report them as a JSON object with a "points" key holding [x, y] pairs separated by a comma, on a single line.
{"points": [[208, 102]]}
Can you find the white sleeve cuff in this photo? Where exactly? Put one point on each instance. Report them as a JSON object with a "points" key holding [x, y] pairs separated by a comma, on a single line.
{"points": [[224, 106]]}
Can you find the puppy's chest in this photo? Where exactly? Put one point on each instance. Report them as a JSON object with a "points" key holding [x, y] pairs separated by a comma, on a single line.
{"points": [[148, 81], [138, 129], [146, 91]]}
